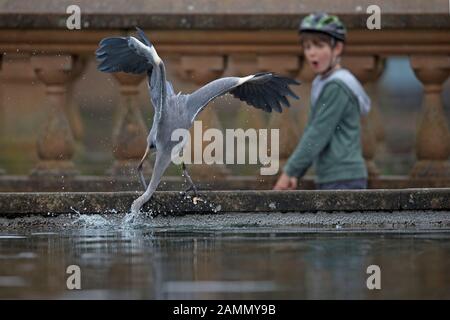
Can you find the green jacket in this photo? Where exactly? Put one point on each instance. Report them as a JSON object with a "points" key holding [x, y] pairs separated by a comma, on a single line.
{"points": [[331, 138]]}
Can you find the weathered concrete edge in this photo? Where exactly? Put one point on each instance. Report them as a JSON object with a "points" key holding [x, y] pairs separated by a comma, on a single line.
{"points": [[216, 21], [171, 202], [22, 183]]}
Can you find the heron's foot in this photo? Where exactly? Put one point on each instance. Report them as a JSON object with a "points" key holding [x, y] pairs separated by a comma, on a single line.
{"points": [[192, 188], [152, 212], [133, 214], [130, 217], [195, 197]]}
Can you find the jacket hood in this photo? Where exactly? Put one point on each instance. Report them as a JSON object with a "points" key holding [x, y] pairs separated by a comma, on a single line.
{"points": [[352, 83]]}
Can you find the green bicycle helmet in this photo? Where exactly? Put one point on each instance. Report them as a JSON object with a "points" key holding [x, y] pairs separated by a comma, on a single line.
{"points": [[323, 23]]}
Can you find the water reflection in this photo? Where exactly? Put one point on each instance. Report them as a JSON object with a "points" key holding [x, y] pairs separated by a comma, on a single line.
{"points": [[245, 263]]}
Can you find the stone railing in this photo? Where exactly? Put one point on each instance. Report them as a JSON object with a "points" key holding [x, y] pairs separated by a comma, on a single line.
{"points": [[202, 41]]}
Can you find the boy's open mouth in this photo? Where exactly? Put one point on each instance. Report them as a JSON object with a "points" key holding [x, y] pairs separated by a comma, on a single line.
{"points": [[315, 64]]}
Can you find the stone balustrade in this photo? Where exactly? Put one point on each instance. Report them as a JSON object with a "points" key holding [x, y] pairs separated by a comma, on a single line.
{"points": [[202, 43]]}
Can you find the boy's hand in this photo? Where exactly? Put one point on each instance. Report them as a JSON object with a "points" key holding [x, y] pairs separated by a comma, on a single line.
{"points": [[286, 183]]}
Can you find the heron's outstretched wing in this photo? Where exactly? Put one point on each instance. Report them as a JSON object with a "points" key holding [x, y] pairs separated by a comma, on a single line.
{"points": [[115, 55], [266, 91], [135, 55]]}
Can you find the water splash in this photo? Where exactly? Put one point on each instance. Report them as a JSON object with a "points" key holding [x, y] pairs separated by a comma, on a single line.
{"points": [[137, 219], [94, 220], [133, 220], [130, 218], [91, 220]]}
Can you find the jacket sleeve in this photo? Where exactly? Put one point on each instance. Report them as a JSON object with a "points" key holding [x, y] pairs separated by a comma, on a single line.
{"points": [[330, 107]]}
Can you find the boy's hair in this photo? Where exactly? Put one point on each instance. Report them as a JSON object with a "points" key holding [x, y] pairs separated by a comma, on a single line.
{"points": [[316, 37]]}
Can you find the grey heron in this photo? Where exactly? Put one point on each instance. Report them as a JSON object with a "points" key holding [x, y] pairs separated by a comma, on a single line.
{"points": [[266, 91]]}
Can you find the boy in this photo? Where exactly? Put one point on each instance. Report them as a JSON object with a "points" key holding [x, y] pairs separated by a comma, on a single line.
{"points": [[332, 136]]}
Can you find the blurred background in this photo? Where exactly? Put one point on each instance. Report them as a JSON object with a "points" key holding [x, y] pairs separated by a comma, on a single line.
{"points": [[63, 124]]}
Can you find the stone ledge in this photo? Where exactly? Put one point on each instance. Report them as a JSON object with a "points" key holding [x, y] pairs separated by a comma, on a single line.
{"points": [[10, 183], [172, 203], [173, 43], [21, 183], [281, 223], [204, 14], [212, 21]]}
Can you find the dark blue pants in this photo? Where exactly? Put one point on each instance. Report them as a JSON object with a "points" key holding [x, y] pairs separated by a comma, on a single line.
{"points": [[343, 184]]}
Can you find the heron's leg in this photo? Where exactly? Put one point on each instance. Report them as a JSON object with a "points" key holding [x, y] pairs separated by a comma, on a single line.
{"points": [[139, 168], [188, 177], [161, 164]]}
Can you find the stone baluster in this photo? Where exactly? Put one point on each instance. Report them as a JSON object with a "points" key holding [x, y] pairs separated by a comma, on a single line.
{"points": [[130, 132], [375, 114], [366, 69], [433, 137], [73, 109], [55, 144], [289, 66], [198, 71]]}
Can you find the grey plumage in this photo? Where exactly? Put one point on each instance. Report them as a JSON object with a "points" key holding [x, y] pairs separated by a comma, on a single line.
{"points": [[266, 91]]}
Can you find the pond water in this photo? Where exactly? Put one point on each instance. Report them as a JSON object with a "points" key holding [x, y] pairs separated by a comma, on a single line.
{"points": [[236, 262]]}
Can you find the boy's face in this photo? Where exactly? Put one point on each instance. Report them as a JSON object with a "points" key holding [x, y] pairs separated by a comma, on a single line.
{"points": [[320, 54]]}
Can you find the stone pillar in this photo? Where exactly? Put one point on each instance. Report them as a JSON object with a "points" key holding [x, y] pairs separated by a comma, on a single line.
{"points": [[55, 144], [73, 109], [375, 114], [199, 70], [130, 132], [433, 137], [289, 66], [366, 69]]}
